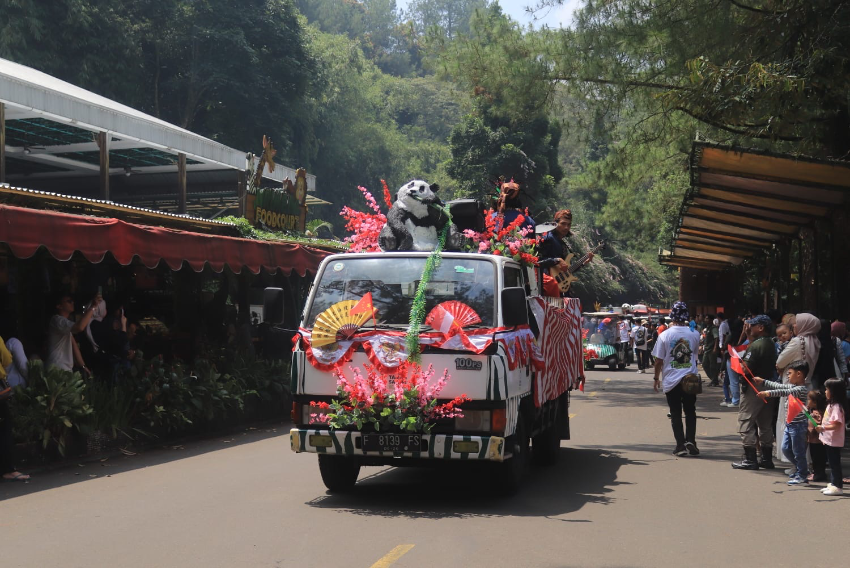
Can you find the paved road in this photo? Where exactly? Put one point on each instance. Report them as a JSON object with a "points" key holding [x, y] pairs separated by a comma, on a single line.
{"points": [[618, 498]]}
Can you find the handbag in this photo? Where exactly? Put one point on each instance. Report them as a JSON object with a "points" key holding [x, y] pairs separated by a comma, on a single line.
{"points": [[5, 390], [692, 384]]}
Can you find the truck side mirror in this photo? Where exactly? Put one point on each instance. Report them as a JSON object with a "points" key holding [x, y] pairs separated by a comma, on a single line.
{"points": [[273, 305], [514, 307]]}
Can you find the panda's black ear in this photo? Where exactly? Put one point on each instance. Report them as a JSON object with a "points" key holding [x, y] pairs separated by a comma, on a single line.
{"points": [[397, 196], [434, 187]]}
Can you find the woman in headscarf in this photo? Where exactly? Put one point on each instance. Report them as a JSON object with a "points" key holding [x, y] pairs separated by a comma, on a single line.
{"points": [[804, 346]]}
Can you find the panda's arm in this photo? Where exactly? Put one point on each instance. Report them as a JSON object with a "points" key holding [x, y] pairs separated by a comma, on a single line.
{"points": [[437, 217]]}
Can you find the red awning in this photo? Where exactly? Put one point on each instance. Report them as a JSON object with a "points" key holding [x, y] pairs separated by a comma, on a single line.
{"points": [[24, 230]]}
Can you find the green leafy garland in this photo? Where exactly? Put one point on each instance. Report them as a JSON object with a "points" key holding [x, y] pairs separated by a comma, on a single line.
{"points": [[417, 310]]}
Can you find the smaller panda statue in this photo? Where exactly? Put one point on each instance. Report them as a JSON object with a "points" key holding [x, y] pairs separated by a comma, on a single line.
{"points": [[414, 221]]}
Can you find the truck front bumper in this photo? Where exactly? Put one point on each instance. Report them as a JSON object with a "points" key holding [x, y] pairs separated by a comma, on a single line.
{"points": [[436, 446]]}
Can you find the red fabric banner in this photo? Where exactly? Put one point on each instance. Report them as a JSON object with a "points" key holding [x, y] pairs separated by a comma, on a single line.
{"points": [[25, 230]]}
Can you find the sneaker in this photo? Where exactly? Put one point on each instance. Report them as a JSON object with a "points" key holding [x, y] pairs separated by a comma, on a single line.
{"points": [[680, 451], [669, 415], [833, 490], [725, 403], [733, 405], [692, 448], [828, 487], [797, 480], [791, 471]]}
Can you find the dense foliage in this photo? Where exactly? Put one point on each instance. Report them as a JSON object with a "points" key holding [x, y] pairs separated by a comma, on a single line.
{"points": [[149, 398], [597, 117]]}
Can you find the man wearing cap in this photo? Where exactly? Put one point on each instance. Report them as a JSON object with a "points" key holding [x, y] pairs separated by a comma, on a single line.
{"points": [[675, 355], [554, 249], [755, 418]]}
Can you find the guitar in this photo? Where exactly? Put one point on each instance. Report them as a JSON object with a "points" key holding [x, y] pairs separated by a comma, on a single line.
{"points": [[565, 278]]}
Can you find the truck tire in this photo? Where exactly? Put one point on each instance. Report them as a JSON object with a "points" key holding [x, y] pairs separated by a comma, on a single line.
{"points": [[588, 366], [546, 446], [339, 473], [612, 362], [511, 472]]}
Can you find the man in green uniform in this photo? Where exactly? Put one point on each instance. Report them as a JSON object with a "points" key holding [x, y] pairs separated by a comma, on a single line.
{"points": [[755, 418]]}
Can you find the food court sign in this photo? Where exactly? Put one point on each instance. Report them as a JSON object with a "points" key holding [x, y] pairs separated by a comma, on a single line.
{"points": [[281, 209]]}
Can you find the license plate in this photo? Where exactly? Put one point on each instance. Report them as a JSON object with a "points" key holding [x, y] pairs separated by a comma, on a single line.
{"points": [[391, 442]]}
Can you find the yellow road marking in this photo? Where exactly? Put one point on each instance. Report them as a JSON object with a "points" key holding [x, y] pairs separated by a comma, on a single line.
{"points": [[393, 555], [572, 416], [592, 394], [608, 380]]}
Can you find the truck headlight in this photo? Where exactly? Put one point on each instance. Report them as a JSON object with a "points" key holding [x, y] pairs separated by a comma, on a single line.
{"points": [[473, 421]]}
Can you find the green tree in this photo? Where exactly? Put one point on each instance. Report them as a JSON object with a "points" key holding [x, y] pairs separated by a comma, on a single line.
{"points": [[450, 17]]}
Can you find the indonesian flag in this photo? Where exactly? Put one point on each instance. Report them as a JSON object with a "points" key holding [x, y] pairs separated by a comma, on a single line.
{"points": [[441, 320], [736, 362], [795, 407], [364, 306]]}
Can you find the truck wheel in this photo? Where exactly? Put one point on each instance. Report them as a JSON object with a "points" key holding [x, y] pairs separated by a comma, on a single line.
{"points": [[511, 472], [612, 362], [339, 474], [546, 446], [588, 366]]}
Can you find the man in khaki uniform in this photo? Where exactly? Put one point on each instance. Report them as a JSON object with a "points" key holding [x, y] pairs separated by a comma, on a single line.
{"points": [[755, 418]]}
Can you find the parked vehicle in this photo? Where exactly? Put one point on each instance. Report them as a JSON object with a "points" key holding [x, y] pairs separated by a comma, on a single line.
{"points": [[603, 340], [520, 362]]}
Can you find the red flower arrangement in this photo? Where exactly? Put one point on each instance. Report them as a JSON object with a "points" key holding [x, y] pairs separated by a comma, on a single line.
{"points": [[590, 354], [404, 400], [512, 241], [366, 227]]}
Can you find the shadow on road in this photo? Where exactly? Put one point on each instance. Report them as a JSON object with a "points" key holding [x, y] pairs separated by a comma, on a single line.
{"points": [[582, 476], [85, 468]]}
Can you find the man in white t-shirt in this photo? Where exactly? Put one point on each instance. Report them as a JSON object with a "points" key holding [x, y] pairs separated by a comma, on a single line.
{"points": [[640, 335], [62, 349], [624, 343], [676, 356]]}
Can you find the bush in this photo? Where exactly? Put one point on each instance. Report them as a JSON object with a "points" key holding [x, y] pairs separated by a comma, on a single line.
{"points": [[51, 407], [148, 397]]}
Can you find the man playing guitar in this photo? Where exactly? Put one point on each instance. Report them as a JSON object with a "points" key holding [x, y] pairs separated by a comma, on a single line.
{"points": [[554, 250]]}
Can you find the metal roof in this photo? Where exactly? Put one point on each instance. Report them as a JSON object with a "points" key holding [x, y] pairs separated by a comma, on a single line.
{"points": [[742, 201], [51, 127]]}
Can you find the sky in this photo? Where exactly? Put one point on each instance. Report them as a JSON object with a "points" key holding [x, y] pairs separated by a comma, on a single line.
{"points": [[555, 17]]}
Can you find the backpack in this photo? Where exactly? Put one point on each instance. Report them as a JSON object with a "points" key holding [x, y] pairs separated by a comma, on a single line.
{"points": [[640, 336]]}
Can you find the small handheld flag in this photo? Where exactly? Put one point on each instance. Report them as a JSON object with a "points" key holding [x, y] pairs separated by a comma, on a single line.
{"points": [[364, 306], [795, 407], [738, 365]]}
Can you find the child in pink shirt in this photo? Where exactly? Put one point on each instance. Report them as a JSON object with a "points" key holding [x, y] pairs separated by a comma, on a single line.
{"points": [[832, 432]]}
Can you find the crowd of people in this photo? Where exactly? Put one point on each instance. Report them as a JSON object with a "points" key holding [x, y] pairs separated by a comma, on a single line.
{"points": [[760, 360]]}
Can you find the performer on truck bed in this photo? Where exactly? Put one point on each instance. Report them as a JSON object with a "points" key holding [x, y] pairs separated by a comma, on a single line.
{"points": [[554, 250]]}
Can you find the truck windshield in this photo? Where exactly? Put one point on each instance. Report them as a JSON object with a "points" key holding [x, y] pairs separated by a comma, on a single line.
{"points": [[393, 282]]}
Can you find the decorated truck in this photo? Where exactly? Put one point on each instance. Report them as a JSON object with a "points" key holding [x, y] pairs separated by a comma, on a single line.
{"points": [[486, 377]]}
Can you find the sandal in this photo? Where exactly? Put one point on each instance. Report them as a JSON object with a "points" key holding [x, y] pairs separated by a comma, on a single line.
{"points": [[16, 476]]}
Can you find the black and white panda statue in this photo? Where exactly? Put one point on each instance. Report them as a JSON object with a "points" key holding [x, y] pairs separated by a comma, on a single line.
{"points": [[414, 221]]}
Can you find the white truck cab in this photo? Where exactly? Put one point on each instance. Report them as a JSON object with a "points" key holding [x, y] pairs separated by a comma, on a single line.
{"points": [[517, 366]]}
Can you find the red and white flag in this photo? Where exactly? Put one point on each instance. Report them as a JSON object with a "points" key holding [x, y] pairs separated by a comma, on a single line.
{"points": [[736, 362], [441, 320]]}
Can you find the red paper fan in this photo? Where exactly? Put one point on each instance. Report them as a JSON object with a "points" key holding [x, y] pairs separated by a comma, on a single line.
{"points": [[463, 315]]}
